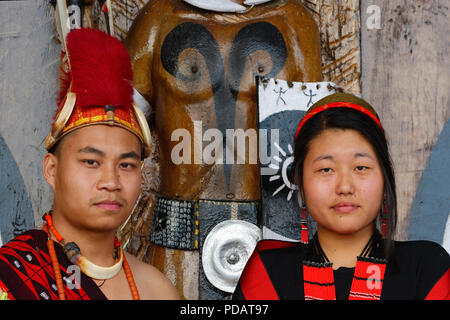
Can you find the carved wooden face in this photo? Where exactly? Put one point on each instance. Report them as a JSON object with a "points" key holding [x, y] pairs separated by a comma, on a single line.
{"points": [[198, 70]]}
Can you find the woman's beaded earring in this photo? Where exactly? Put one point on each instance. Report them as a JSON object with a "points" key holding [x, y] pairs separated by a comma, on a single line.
{"points": [[384, 219], [304, 224]]}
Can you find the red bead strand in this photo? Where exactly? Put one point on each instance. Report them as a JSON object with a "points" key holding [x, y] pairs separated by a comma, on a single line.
{"points": [[55, 264], [59, 283]]}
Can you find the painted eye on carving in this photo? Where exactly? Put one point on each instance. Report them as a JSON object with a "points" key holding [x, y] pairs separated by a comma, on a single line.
{"points": [[190, 65], [261, 62]]}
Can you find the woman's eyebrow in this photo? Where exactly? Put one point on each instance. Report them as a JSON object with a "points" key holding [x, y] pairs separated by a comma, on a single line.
{"points": [[323, 157], [363, 154], [357, 155]]}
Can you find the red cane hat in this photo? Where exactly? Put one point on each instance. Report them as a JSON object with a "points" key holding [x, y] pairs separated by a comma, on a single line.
{"points": [[97, 89]]}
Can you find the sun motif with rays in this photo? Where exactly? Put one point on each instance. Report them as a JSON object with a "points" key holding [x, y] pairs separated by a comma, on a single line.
{"points": [[283, 163]]}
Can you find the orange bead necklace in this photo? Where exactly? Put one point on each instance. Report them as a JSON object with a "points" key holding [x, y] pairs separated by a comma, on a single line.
{"points": [[74, 255]]}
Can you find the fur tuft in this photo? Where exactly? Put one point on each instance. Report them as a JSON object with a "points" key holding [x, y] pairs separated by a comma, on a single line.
{"points": [[101, 71]]}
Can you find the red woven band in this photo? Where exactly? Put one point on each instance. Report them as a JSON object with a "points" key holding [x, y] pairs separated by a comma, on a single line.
{"points": [[337, 105]]}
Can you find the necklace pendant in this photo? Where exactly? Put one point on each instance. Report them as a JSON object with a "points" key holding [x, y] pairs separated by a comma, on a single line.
{"points": [[96, 272], [72, 252]]}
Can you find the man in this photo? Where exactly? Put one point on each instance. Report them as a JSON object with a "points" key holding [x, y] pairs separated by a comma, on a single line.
{"points": [[96, 145]]}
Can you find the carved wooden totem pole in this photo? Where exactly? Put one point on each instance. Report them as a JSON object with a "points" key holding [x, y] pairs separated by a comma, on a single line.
{"points": [[196, 67]]}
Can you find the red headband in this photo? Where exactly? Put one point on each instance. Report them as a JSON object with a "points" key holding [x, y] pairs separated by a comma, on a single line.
{"points": [[337, 105]]}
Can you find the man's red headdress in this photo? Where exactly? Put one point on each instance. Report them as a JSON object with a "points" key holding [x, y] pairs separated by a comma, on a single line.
{"points": [[97, 89]]}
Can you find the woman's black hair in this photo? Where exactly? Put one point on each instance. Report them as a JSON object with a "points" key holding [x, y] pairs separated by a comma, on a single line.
{"points": [[346, 118]]}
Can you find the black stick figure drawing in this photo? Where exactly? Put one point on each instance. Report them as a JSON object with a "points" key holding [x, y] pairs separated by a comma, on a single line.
{"points": [[310, 95], [280, 92]]}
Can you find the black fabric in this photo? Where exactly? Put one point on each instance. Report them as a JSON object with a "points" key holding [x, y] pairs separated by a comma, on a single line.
{"points": [[414, 270], [342, 282]]}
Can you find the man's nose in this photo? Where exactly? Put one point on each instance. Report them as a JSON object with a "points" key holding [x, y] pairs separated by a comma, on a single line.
{"points": [[109, 179]]}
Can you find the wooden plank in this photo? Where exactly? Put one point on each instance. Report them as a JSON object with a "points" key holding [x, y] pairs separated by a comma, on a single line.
{"points": [[338, 22], [29, 68], [405, 76]]}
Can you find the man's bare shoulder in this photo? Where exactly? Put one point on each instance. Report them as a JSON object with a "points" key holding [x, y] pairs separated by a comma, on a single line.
{"points": [[151, 283]]}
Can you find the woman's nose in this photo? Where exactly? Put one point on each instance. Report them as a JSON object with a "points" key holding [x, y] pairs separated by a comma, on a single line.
{"points": [[345, 184]]}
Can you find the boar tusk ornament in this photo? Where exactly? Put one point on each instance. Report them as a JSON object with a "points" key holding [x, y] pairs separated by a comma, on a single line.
{"points": [[224, 5], [226, 250], [255, 2]]}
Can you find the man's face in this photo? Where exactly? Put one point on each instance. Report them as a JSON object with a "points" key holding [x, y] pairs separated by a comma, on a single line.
{"points": [[96, 177]]}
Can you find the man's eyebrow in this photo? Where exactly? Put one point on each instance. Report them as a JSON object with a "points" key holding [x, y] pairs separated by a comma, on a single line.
{"points": [[130, 154], [125, 155], [92, 150]]}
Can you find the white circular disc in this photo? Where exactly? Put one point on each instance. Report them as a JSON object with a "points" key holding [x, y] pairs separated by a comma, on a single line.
{"points": [[226, 250]]}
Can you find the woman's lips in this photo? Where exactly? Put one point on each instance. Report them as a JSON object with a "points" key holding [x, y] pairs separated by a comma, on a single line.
{"points": [[345, 207]]}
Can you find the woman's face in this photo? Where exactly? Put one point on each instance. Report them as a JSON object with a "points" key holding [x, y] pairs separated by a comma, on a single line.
{"points": [[342, 181]]}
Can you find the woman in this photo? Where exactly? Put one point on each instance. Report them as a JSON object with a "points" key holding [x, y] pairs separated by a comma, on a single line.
{"points": [[346, 184]]}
